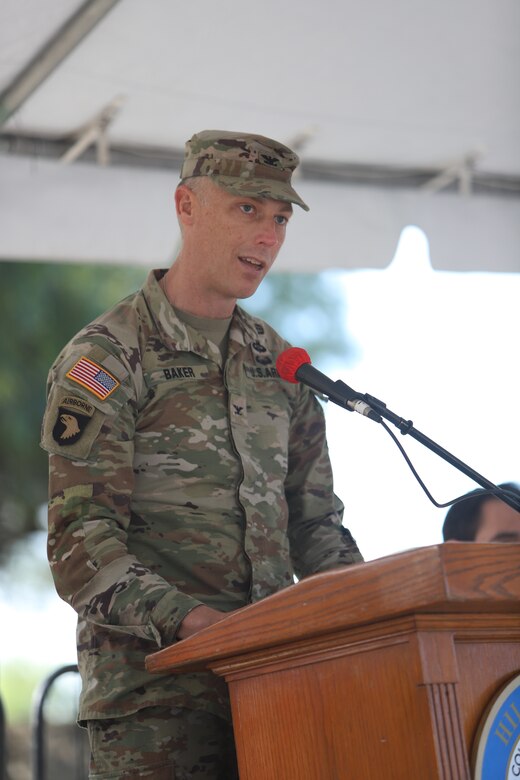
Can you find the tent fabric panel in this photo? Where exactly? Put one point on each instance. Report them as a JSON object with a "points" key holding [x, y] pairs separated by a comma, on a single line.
{"points": [[87, 213]]}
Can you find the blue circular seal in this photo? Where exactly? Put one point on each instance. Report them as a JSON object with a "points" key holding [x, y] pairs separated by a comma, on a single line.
{"points": [[496, 754]]}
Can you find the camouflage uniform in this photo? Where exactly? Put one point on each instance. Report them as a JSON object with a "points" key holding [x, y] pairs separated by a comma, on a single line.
{"points": [[163, 743], [191, 482]]}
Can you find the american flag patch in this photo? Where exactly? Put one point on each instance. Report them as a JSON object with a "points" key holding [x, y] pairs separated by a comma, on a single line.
{"points": [[93, 377]]}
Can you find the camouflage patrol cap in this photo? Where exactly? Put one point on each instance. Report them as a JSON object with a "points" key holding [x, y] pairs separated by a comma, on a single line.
{"points": [[243, 164]]}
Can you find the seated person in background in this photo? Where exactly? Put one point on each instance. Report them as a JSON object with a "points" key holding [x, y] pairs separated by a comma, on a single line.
{"points": [[483, 518]]}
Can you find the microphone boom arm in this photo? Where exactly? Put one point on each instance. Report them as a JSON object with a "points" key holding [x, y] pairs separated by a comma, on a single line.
{"points": [[407, 428]]}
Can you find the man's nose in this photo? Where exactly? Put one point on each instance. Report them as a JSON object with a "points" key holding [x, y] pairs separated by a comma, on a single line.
{"points": [[267, 233]]}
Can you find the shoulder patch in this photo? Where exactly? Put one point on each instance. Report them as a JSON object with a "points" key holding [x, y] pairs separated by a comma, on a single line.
{"points": [[73, 416], [93, 377]]}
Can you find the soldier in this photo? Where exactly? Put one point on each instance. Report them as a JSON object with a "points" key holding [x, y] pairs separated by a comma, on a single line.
{"points": [[186, 479]]}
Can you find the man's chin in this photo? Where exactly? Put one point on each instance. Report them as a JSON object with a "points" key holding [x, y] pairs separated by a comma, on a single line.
{"points": [[247, 294]]}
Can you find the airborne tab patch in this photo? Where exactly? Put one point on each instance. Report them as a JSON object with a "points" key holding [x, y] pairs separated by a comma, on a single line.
{"points": [[94, 377], [74, 414]]}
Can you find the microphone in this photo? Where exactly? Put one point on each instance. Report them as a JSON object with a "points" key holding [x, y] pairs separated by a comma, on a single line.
{"points": [[294, 365]]}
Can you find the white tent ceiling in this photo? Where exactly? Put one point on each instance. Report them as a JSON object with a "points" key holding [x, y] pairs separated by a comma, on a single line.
{"points": [[403, 113]]}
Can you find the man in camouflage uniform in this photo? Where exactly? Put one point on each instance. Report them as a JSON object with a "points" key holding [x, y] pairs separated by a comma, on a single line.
{"points": [[186, 478]]}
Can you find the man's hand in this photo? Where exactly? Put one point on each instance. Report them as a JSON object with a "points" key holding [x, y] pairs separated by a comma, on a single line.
{"points": [[198, 618]]}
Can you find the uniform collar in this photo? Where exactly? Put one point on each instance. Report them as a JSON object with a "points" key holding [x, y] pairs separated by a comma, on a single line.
{"points": [[179, 337]]}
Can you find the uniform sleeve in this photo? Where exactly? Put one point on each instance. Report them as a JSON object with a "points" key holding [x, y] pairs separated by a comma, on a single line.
{"points": [[90, 446], [318, 540]]}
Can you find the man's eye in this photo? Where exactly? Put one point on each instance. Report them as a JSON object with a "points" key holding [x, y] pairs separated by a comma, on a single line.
{"points": [[247, 208], [281, 220]]}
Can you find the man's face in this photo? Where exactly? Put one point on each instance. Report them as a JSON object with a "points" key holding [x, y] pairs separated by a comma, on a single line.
{"points": [[498, 523], [234, 240]]}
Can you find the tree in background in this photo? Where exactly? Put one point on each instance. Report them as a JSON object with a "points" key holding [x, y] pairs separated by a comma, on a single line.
{"points": [[44, 305]]}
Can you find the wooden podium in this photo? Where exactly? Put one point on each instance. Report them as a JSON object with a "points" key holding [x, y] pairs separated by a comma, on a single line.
{"points": [[378, 670]]}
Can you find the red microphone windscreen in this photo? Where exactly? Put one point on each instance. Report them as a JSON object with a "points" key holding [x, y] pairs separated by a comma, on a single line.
{"points": [[288, 363]]}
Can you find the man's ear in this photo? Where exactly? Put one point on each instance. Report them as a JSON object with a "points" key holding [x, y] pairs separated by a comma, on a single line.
{"points": [[184, 202]]}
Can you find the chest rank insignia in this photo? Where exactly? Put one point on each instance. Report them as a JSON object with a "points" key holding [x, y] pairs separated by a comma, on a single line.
{"points": [[93, 377], [74, 414]]}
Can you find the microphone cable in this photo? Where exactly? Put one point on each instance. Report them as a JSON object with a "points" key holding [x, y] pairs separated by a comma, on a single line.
{"points": [[459, 499]]}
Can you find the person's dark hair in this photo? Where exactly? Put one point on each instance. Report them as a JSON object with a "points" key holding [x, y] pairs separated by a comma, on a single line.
{"points": [[462, 519]]}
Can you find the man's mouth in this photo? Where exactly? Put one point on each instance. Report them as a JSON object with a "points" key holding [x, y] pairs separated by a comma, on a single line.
{"points": [[252, 261]]}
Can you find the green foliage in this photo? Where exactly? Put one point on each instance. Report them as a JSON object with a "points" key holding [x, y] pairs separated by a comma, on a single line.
{"points": [[43, 306], [18, 683]]}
